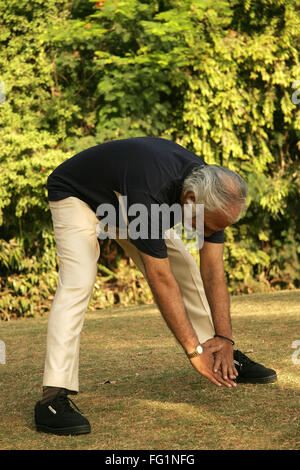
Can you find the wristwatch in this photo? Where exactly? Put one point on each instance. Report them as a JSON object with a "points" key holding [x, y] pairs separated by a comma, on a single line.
{"points": [[197, 352]]}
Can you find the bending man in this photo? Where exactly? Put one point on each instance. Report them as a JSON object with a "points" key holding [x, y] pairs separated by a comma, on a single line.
{"points": [[147, 171]]}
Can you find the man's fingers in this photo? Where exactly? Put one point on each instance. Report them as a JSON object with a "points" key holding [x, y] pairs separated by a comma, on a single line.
{"points": [[224, 371], [213, 349], [226, 382], [231, 372], [222, 363], [228, 375], [213, 367], [217, 364], [218, 380], [213, 380]]}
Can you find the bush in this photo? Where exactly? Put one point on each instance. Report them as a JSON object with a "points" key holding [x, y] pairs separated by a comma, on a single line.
{"points": [[216, 77]]}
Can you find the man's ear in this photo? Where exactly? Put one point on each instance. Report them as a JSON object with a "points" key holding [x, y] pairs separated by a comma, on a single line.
{"points": [[190, 197], [190, 201]]}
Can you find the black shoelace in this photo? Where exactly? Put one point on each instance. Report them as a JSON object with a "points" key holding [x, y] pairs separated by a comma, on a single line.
{"points": [[65, 403], [242, 358]]}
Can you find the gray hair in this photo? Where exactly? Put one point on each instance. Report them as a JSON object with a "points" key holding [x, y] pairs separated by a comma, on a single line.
{"points": [[218, 188]]}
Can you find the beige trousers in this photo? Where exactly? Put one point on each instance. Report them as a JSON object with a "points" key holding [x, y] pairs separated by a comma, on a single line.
{"points": [[78, 252]]}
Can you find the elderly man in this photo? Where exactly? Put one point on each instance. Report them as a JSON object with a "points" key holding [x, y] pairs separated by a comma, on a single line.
{"points": [[147, 171]]}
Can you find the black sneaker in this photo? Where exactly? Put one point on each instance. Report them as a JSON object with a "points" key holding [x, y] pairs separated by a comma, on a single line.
{"points": [[251, 372], [58, 417]]}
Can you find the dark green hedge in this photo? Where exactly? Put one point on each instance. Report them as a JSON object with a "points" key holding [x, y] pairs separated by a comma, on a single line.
{"points": [[215, 76]]}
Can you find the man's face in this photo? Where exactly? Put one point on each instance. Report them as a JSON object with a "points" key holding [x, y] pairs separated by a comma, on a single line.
{"points": [[214, 221]]}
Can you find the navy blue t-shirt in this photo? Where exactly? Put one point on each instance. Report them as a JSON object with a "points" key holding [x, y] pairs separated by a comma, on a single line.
{"points": [[148, 170]]}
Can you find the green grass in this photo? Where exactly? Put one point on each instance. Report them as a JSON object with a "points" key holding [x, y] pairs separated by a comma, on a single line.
{"points": [[155, 400]]}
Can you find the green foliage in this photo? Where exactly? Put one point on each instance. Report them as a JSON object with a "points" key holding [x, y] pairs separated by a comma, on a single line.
{"points": [[215, 76]]}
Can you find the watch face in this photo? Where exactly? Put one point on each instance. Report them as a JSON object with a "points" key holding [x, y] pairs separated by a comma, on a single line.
{"points": [[199, 349]]}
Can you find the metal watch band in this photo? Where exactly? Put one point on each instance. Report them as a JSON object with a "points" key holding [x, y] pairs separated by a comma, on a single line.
{"points": [[194, 353]]}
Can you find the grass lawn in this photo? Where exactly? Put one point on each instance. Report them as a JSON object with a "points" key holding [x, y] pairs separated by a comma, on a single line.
{"points": [[139, 391]]}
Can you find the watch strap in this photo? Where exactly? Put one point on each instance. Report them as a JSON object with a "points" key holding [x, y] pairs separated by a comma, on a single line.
{"points": [[194, 353]]}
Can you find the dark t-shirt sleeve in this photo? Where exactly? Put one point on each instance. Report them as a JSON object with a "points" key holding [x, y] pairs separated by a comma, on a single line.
{"points": [[216, 237]]}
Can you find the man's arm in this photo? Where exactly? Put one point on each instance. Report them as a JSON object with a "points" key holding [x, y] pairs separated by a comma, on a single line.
{"points": [[167, 295], [213, 276], [214, 281]]}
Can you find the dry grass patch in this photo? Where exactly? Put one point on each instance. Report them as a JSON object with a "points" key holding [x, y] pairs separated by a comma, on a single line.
{"points": [[139, 391]]}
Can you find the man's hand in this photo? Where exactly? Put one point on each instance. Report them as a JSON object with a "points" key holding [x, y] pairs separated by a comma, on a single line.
{"points": [[169, 300], [223, 361], [214, 281], [204, 365]]}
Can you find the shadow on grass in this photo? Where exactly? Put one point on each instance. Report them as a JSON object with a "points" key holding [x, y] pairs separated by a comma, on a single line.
{"points": [[169, 396], [153, 398]]}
